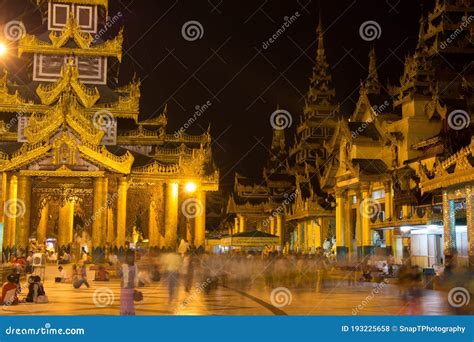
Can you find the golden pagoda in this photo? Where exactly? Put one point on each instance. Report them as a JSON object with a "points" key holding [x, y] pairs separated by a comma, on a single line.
{"points": [[78, 167]]}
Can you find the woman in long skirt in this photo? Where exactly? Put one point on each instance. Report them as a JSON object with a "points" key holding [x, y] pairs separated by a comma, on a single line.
{"points": [[128, 272]]}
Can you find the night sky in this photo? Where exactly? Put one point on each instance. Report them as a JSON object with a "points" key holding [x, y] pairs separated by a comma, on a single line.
{"points": [[229, 67]]}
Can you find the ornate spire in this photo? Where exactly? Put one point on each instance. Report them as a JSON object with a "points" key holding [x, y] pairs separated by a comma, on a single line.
{"points": [[321, 92], [421, 35], [372, 85], [278, 141]]}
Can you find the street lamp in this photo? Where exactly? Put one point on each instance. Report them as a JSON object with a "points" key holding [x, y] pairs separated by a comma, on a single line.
{"points": [[3, 49], [190, 187]]}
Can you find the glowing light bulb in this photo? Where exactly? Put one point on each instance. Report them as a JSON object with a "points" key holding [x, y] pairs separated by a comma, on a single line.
{"points": [[3, 49], [190, 187]]}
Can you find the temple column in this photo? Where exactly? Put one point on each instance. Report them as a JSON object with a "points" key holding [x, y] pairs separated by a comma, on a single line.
{"points": [[11, 210], [367, 244], [359, 241], [6, 218], [153, 234], [280, 231], [104, 211], [449, 218], [171, 215], [66, 221], [98, 203], [24, 197], [348, 236], [272, 225], [470, 224], [43, 223], [388, 216], [110, 226], [242, 224], [200, 221], [121, 212], [341, 249], [236, 226]]}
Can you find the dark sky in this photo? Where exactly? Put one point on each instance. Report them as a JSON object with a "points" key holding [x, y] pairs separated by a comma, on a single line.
{"points": [[229, 67]]}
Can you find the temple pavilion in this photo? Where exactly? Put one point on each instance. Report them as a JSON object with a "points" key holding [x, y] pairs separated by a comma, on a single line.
{"points": [[394, 175], [78, 166]]}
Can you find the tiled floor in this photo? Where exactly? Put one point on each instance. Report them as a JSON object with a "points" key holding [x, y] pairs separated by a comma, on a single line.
{"points": [[103, 298]]}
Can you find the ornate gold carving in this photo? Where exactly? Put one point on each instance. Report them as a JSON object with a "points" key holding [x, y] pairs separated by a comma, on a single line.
{"points": [[64, 150], [69, 79], [26, 154], [100, 155], [62, 171], [157, 168], [71, 30], [41, 126], [111, 48]]}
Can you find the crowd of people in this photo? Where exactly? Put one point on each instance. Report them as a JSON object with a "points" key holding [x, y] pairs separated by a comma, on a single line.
{"points": [[193, 268]]}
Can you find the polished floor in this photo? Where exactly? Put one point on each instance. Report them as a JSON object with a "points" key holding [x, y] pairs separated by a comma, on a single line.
{"points": [[256, 298]]}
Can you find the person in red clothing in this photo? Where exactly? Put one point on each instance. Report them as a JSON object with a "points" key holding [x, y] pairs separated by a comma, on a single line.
{"points": [[10, 291]]}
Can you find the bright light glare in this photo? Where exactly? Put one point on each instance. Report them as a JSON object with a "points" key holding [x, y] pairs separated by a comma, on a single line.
{"points": [[190, 187], [3, 49]]}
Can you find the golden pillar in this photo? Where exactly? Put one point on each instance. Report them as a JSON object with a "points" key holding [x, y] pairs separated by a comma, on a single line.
{"points": [[43, 223], [341, 248], [449, 219], [367, 246], [12, 210], [280, 231], [110, 226], [272, 225], [122, 212], [171, 215], [66, 221], [470, 224], [348, 235], [200, 220], [388, 216], [4, 196], [103, 210], [98, 209], [243, 224], [24, 214], [236, 226], [359, 222], [153, 233], [6, 217]]}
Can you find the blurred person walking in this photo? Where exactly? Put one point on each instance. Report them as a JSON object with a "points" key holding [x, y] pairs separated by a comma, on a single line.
{"points": [[128, 273]]}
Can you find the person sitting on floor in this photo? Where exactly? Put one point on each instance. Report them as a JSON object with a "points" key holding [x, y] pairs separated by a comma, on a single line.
{"points": [[79, 276], [102, 274], [63, 276], [10, 290], [36, 293], [65, 258]]}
